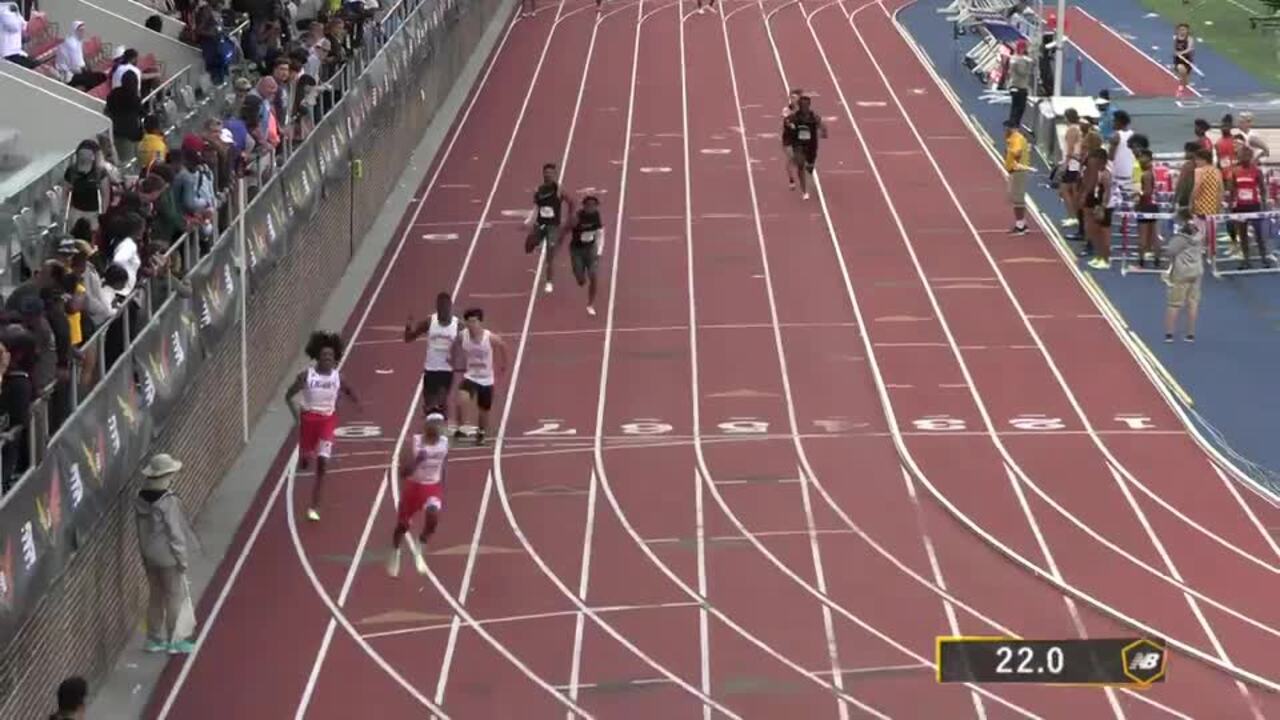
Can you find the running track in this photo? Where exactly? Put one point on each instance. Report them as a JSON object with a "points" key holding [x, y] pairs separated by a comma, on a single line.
{"points": [[849, 425]]}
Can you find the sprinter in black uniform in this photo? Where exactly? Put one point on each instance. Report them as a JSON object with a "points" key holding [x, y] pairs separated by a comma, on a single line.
{"points": [[1184, 56], [789, 135], [806, 126], [585, 245], [547, 202]]}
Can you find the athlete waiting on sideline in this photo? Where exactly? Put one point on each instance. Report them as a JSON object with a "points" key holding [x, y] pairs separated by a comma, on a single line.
{"points": [[441, 330], [320, 386], [1248, 191], [421, 490], [806, 127], [479, 356], [584, 247], [547, 203], [789, 135]]}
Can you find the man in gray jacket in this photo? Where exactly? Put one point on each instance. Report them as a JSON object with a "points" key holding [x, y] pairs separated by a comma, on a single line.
{"points": [[165, 539], [1185, 251]]}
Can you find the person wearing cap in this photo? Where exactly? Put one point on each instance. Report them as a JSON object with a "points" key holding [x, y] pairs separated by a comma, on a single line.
{"points": [[165, 541], [422, 491], [75, 255], [1017, 162], [1185, 251], [1021, 70]]}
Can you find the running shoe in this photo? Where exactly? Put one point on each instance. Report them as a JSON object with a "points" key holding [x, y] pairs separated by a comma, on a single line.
{"points": [[393, 563], [1190, 338], [184, 647], [591, 311], [479, 438], [1168, 337], [806, 196], [155, 646], [312, 515], [419, 562], [548, 288], [1019, 230], [1069, 222]]}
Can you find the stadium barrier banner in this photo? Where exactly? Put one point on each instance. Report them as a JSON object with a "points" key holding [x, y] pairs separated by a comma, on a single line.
{"points": [[165, 356], [92, 457], [215, 288], [266, 225]]}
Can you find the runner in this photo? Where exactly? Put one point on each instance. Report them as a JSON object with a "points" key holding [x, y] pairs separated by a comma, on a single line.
{"points": [[1248, 191], [711, 5], [528, 8], [547, 202], [1261, 151], [441, 330], [1147, 205], [789, 135], [1184, 56], [585, 247], [1121, 155], [1069, 182], [807, 126], [320, 386], [421, 490], [477, 354]]}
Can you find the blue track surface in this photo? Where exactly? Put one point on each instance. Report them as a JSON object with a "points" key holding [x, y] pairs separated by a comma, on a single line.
{"points": [[1228, 372]]}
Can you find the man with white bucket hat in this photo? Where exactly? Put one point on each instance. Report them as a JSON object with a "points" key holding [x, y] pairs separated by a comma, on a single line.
{"points": [[165, 539]]}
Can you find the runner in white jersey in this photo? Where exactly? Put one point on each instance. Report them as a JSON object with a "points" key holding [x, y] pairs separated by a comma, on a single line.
{"points": [[1122, 159], [441, 330], [479, 356], [421, 490], [317, 419]]}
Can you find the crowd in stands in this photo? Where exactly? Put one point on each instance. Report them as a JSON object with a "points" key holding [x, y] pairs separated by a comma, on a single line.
{"points": [[131, 196]]}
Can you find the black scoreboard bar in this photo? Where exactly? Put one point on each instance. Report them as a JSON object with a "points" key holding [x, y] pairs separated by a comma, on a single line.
{"points": [[1104, 661]]}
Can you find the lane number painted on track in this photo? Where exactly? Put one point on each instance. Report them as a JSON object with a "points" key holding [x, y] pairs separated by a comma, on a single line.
{"points": [[744, 426], [939, 423], [646, 426], [1037, 422], [1136, 422], [551, 427], [357, 431]]}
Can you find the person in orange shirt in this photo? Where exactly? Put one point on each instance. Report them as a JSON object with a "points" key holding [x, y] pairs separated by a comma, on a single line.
{"points": [[1206, 193]]}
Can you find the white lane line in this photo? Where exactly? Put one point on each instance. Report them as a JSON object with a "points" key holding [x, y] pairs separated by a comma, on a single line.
{"points": [[935, 567], [1248, 511], [820, 576], [704, 630], [584, 578], [507, 619], [498, 479], [1137, 49], [250, 543]]}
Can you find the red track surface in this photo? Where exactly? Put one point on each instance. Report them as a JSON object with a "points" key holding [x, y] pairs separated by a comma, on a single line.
{"points": [[1134, 68], [735, 426]]}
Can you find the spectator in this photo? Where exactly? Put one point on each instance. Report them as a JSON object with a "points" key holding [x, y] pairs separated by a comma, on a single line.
{"points": [[336, 33], [28, 301], [167, 222], [89, 183], [1185, 251], [70, 64], [125, 63], [165, 541], [126, 235], [155, 24], [195, 191], [12, 28], [56, 308], [1103, 101], [281, 73], [124, 107], [73, 694], [304, 110], [153, 147], [1021, 70], [17, 393], [267, 120], [75, 255], [114, 280]]}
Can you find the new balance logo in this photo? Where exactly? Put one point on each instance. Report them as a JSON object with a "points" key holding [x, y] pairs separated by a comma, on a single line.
{"points": [[1145, 661]]}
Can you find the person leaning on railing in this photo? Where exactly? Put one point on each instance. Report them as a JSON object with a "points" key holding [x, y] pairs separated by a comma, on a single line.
{"points": [[17, 393]]}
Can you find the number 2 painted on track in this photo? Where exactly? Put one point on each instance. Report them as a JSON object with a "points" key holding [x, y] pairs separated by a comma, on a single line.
{"points": [[551, 427]]}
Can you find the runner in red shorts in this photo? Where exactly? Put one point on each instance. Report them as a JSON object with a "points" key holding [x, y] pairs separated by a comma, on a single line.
{"points": [[422, 490], [317, 418]]}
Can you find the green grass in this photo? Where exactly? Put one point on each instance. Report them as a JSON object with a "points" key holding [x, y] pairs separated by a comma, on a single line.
{"points": [[1224, 26]]}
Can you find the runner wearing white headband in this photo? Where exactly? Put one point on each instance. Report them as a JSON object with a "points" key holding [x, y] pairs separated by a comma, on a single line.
{"points": [[422, 490]]}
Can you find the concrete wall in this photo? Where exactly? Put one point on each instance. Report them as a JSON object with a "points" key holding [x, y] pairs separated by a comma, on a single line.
{"points": [[139, 12]]}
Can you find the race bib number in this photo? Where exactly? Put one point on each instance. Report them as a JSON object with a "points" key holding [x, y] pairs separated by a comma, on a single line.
{"points": [[588, 236], [546, 212], [804, 134], [1073, 165], [1246, 196]]}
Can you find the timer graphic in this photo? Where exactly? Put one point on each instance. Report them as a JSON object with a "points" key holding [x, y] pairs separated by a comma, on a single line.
{"points": [[1108, 661]]}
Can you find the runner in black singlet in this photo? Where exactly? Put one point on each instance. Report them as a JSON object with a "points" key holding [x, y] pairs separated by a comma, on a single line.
{"points": [[808, 127], [547, 202], [1184, 56], [585, 247]]}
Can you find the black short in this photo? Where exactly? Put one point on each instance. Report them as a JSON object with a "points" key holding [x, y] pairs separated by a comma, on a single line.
{"points": [[805, 154], [584, 259], [1105, 221], [1146, 208], [483, 394], [1070, 177], [548, 233], [435, 383]]}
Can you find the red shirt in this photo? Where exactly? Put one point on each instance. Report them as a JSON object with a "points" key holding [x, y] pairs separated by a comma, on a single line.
{"points": [[1226, 148], [1247, 187]]}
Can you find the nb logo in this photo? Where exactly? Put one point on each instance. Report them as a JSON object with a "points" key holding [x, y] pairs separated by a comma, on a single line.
{"points": [[1144, 661]]}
